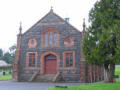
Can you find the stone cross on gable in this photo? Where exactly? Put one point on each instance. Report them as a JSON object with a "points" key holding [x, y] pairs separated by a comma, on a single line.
{"points": [[52, 1]]}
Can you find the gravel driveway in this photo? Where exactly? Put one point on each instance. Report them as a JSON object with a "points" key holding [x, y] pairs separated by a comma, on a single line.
{"points": [[11, 85]]}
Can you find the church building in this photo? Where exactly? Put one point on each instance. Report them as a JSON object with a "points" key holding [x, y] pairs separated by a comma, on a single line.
{"points": [[51, 51]]}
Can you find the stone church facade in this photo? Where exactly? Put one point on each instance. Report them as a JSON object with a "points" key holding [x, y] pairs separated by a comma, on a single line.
{"points": [[51, 51]]}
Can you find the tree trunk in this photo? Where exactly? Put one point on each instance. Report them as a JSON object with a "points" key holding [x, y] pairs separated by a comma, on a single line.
{"points": [[106, 79], [109, 73]]}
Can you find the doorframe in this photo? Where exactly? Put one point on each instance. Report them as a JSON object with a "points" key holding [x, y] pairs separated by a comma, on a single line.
{"points": [[42, 60]]}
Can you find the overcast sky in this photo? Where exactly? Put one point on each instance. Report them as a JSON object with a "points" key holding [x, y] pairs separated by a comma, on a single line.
{"points": [[30, 11]]}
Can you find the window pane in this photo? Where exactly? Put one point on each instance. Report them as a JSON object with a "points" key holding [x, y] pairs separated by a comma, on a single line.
{"points": [[50, 38], [55, 39], [67, 60], [46, 39], [71, 60], [31, 59], [69, 41], [32, 42]]}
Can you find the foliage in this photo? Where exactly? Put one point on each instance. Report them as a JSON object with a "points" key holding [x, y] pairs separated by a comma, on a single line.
{"points": [[102, 42], [8, 56], [12, 50], [91, 87], [1, 53]]}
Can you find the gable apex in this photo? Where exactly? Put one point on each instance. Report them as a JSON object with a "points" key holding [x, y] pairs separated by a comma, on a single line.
{"points": [[51, 18]]}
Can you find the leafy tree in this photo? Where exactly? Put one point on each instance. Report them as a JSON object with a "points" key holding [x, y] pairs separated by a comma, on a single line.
{"points": [[12, 50], [7, 57], [101, 45], [1, 53]]}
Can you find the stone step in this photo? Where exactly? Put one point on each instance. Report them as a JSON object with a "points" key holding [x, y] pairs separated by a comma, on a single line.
{"points": [[44, 78]]}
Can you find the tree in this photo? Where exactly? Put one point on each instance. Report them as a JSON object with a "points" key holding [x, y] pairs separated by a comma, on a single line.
{"points": [[12, 50], [10, 55], [101, 46], [7, 57], [1, 53]]}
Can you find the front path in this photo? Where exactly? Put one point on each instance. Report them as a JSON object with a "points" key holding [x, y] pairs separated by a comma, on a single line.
{"points": [[11, 85]]}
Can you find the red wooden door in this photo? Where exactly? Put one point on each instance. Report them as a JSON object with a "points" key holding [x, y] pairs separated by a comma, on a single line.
{"points": [[50, 66]]}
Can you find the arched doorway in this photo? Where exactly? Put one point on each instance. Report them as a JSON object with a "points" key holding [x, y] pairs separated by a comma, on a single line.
{"points": [[50, 64]]}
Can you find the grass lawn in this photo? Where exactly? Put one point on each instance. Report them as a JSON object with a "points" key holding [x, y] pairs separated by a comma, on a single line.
{"points": [[118, 80], [6, 77], [91, 87], [101, 86], [117, 70]]}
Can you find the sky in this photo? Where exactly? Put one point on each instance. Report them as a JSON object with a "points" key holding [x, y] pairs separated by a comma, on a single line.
{"points": [[12, 12]]}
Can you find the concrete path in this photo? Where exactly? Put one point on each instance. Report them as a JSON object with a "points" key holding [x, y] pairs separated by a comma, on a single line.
{"points": [[11, 85]]}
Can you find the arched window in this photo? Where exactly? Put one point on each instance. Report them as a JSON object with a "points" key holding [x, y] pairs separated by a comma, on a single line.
{"points": [[50, 37]]}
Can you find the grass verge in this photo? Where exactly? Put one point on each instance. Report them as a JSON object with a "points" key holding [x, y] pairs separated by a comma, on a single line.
{"points": [[118, 80], [103, 86], [91, 87], [117, 70], [6, 77]]}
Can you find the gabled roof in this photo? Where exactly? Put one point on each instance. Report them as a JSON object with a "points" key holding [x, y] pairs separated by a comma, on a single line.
{"points": [[50, 17]]}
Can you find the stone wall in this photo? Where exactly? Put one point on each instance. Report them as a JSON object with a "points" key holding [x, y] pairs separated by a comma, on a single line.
{"points": [[81, 72], [64, 30]]}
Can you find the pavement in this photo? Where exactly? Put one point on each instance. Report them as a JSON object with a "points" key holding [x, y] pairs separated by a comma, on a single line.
{"points": [[12, 85]]}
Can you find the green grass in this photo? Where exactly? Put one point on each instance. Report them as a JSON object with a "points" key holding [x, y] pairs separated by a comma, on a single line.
{"points": [[118, 80], [117, 70], [90, 87], [101, 86], [6, 77]]}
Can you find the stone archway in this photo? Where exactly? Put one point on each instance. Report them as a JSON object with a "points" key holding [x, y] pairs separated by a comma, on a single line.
{"points": [[43, 62]]}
